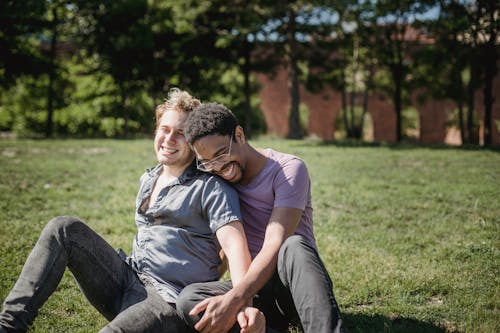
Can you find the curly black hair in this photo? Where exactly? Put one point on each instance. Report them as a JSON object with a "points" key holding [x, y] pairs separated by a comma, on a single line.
{"points": [[209, 119]]}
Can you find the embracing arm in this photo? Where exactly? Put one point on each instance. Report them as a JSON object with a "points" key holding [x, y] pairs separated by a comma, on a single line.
{"points": [[220, 309], [217, 317], [282, 224]]}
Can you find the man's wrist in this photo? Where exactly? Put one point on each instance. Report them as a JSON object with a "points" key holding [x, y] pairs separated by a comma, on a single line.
{"points": [[238, 298]]}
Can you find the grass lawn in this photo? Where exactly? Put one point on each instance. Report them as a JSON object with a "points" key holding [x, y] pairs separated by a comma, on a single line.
{"points": [[410, 235]]}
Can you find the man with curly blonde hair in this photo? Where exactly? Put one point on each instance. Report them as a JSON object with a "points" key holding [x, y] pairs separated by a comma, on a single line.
{"points": [[183, 217]]}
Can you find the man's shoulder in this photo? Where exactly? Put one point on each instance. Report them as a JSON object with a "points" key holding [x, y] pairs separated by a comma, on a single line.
{"points": [[211, 180], [285, 160]]}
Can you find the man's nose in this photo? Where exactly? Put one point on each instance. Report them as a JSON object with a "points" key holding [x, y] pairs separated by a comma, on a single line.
{"points": [[170, 137], [217, 167]]}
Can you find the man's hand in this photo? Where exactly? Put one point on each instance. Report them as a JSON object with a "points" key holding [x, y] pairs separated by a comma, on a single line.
{"points": [[219, 316], [251, 320]]}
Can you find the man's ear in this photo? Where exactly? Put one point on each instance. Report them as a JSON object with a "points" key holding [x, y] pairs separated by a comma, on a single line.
{"points": [[239, 134]]}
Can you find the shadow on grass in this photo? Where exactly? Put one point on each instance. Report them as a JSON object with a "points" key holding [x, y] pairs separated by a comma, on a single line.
{"points": [[404, 145], [362, 323]]}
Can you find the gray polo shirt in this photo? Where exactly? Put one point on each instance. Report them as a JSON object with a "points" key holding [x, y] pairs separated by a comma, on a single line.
{"points": [[175, 244]]}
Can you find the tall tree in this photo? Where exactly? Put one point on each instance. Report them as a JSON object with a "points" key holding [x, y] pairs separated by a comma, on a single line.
{"points": [[486, 25], [123, 41], [340, 59], [20, 54], [235, 28], [442, 76], [288, 29], [392, 43], [58, 28], [469, 31]]}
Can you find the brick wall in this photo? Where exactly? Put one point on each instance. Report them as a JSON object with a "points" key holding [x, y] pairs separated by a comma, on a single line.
{"points": [[275, 102], [324, 106], [323, 110]]}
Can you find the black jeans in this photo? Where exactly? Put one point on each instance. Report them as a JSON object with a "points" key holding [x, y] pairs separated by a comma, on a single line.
{"points": [[300, 292], [110, 285]]}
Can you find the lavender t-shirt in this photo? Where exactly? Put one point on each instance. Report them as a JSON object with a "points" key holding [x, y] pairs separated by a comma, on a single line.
{"points": [[283, 182]]}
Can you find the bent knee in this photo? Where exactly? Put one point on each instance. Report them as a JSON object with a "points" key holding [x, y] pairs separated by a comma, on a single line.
{"points": [[185, 302], [60, 224], [295, 249], [293, 244]]}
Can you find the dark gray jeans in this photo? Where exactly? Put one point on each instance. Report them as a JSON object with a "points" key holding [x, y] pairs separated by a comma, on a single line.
{"points": [[110, 285], [300, 292]]}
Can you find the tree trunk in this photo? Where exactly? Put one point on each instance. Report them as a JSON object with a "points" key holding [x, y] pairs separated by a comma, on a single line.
{"points": [[457, 76], [344, 103], [124, 108], [351, 133], [489, 71], [247, 89], [397, 102], [461, 119], [52, 75], [397, 73], [295, 129], [469, 137], [366, 95]]}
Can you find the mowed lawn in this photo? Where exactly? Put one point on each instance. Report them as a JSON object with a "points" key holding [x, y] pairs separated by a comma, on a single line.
{"points": [[410, 235]]}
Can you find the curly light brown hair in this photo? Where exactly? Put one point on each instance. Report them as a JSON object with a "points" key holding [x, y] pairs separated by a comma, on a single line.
{"points": [[177, 100]]}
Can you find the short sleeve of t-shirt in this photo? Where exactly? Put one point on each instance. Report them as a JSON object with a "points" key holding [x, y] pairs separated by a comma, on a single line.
{"points": [[220, 203], [292, 184]]}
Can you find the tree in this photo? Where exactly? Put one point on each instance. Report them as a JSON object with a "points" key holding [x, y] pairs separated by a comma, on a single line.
{"points": [[468, 31], [246, 51], [485, 19], [288, 28], [442, 76], [389, 22], [121, 37], [20, 23], [57, 34]]}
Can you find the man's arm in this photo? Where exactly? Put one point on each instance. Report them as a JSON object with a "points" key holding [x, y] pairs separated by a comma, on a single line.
{"points": [[282, 224], [234, 245]]}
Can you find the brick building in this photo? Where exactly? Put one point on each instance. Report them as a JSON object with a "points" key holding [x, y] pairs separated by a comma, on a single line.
{"points": [[325, 106]]}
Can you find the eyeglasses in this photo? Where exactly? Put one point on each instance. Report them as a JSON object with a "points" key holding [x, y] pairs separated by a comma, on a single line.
{"points": [[209, 165]]}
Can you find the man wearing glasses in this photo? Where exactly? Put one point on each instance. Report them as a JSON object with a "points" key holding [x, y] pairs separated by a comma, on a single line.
{"points": [[286, 279]]}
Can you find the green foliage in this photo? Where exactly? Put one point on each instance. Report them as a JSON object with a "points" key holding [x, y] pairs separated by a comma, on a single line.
{"points": [[410, 123], [20, 22], [136, 50], [230, 84], [90, 106], [304, 117], [23, 106]]}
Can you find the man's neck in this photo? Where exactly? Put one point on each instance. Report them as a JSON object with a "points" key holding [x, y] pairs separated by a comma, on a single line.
{"points": [[255, 162], [173, 171], [168, 175]]}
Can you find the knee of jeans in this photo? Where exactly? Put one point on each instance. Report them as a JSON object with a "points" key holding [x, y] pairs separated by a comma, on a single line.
{"points": [[292, 246], [185, 302], [59, 224], [295, 252]]}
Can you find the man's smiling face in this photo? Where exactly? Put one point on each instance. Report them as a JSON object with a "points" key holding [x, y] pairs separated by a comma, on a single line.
{"points": [[219, 155]]}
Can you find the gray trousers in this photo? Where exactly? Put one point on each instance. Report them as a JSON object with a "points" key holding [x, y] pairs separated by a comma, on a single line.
{"points": [[110, 285], [300, 292]]}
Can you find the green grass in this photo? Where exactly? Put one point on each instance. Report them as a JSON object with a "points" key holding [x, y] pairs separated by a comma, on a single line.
{"points": [[410, 235]]}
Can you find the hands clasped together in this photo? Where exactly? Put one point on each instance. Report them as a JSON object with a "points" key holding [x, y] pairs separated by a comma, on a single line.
{"points": [[220, 315]]}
